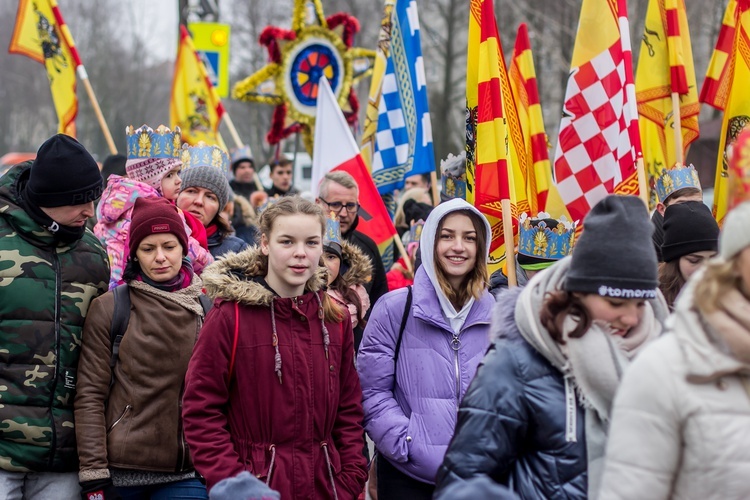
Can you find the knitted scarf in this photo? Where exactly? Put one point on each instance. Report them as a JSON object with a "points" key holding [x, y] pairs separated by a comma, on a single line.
{"points": [[731, 322]]}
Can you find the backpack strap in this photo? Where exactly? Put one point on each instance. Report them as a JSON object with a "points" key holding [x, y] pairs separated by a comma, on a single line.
{"points": [[120, 320], [206, 303], [407, 308]]}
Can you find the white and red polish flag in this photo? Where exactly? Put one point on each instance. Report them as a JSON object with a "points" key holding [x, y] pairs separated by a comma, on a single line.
{"points": [[336, 149], [599, 143]]}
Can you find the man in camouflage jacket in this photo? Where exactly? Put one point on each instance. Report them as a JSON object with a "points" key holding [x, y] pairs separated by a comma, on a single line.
{"points": [[51, 268]]}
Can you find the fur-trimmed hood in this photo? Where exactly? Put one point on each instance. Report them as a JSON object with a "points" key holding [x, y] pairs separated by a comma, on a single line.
{"points": [[232, 278], [359, 266]]}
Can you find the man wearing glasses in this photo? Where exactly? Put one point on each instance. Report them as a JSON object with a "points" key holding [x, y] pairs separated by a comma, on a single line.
{"points": [[339, 193]]}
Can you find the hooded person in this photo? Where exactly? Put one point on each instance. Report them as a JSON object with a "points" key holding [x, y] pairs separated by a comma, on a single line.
{"points": [[536, 416], [421, 348], [152, 168]]}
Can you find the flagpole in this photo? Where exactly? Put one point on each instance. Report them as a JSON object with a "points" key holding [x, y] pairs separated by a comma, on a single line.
{"points": [[642, 184], [677, 120], [402, 251], [435, 190], [83, 75], [510, 247]]}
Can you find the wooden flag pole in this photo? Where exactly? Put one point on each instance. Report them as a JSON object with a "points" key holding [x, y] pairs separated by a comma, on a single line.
{"points": [[642, 184], [402, 251], [510, 246], [238, 142], [677, 121], [83, 75], [435, 189]]}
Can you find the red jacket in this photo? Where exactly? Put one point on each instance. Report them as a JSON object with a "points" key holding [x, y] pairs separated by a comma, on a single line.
{"points": [[303, 431]]}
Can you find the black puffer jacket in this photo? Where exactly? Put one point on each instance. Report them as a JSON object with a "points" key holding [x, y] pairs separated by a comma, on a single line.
{"points": [[511, 424]]}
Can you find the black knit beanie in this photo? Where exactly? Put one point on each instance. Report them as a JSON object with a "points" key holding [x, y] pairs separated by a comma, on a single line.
{"points": [[63, 174], [688, 227], [614, 256]]}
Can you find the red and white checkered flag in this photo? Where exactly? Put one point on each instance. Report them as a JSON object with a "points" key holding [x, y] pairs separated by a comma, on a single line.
{"points": [[599, 142]]}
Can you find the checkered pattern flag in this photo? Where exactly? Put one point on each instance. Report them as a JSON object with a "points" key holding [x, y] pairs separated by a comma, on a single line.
{"points": [[392, 138], [598, 143]]}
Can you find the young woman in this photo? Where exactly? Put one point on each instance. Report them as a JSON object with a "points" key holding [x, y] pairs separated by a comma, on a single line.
{"points": [[152, 168], [205, 193], [271, 388], [411, 402], [348, 270], [691, 237], [536, 416], [680, 418], [128, 422]]}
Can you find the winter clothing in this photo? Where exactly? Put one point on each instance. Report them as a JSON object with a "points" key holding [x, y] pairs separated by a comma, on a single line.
{"points": [[354, 271], [615, 228], [545, 407], [244, 189], [150, 171], [682, 410], [411, 417], [244, 486], [136, 424], [657, 221], [288, 413], [688, 227], [207, 177], [114, 213], [478, 487], [154, 216], [734, 235], [220, 244], [63, 173], [242, 154], [45, 291], [499, 281], [377, 286], [273, 191]]}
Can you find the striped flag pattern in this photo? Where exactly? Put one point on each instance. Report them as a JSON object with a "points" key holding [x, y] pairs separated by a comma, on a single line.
{"points": [[715, 90], [674, 11]]}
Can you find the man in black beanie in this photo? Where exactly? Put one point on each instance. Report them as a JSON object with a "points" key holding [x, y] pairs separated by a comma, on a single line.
{"points": [[51, 269]]}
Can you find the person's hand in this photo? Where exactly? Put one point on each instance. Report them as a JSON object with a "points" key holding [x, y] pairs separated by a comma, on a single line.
{"points": [[99, 489]]}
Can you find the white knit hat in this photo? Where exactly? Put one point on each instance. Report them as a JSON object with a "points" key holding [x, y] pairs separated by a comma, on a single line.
{"points": [[735, 233]]}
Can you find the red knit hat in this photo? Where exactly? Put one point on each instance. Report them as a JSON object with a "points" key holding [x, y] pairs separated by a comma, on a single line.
{"points": [[153, 216]]}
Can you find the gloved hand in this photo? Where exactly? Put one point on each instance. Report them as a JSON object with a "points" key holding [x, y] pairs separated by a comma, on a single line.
{"points": [[99, 489]]}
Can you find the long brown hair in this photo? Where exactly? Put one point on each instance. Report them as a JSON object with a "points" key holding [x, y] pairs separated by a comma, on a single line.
{"points": [[670, 281], [557, 306], [475, 282], [294, 205]]}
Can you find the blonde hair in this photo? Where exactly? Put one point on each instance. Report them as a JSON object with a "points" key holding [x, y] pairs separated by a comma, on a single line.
{"points": [[475, 282], [294, 205], [720, 277], [416, 194]]}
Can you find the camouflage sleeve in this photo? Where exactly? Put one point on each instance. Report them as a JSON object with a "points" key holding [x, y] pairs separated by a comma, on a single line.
{"points": [[93, 389]]}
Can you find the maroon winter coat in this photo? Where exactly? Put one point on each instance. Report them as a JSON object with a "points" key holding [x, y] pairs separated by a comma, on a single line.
{"points": [[305, 431]]}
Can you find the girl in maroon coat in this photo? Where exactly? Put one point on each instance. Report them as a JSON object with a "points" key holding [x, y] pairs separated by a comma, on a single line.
{"points": [[272, 387]]}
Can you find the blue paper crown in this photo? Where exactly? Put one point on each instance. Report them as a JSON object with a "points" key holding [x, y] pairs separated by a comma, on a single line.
{"points": [[453, 175], [676, 178], [541, 240], [145, 142], [243, 153], [333, 231], [203, 155]]}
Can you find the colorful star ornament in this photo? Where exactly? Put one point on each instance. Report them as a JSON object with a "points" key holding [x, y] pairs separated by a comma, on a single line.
{"points": [[316, 46]]}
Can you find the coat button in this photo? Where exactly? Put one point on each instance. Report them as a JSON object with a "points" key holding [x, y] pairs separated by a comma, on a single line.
{"points": [[331, 368], [721, 384], [408, 439], [302, 318]]}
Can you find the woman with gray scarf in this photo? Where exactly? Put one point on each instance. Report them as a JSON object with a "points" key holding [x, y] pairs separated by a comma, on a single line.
{"points": [[536, 416]]}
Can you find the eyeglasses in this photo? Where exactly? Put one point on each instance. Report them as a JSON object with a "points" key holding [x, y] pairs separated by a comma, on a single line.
{"points": [[336, 206]]}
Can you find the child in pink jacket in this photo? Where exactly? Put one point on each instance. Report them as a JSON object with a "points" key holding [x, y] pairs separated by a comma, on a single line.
{"points": [[152, 169]]}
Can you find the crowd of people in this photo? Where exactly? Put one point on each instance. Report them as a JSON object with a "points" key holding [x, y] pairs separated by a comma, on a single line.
{"points": [[210, 338]]}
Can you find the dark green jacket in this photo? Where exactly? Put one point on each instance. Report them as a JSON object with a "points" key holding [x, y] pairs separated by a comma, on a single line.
{"points": [[45, 292]]}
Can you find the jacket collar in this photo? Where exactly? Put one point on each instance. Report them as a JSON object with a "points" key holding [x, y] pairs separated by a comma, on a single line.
{"points": [[11, 186]]}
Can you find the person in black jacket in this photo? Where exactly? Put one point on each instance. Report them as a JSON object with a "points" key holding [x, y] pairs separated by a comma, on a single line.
{"points": [[536, 416], [339, 193]]}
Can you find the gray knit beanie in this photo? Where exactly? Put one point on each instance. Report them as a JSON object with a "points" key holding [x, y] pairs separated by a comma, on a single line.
{"points": [[734, 236], [614, 256], [206, 177]]}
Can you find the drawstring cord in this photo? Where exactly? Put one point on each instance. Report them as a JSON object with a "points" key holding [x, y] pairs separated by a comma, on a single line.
{"points": [[570, 410], [324, 446], [272, 448], [326, 337], [277, 356]]}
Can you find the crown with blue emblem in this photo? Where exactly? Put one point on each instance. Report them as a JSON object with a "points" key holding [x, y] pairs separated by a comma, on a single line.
{"points": [[674, 179], [145, 142], [203, 155], [453, 176], [332, 236], [543, 237]]}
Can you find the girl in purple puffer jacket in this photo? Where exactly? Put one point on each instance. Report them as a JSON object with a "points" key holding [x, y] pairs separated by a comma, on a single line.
{"points": [[411, 402]]}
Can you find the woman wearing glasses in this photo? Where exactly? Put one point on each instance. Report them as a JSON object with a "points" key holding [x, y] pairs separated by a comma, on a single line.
{"points": [[413, 382]]}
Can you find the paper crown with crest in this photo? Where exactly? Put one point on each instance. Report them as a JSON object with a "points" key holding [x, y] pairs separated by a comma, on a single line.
{"points": [[242, 154], [203, 155], [543, 237], [453, 176], [332, 235], [145, 142], [674, 179]]}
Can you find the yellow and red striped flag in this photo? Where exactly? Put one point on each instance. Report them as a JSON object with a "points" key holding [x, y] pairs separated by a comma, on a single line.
{"points": [[41, 34], [737, 110], [489, 168], [195, 106], [715, 90], [526, 95], [665, 66]]}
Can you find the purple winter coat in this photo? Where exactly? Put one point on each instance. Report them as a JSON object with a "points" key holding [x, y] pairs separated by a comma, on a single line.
{"points": [[413, 425]]}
